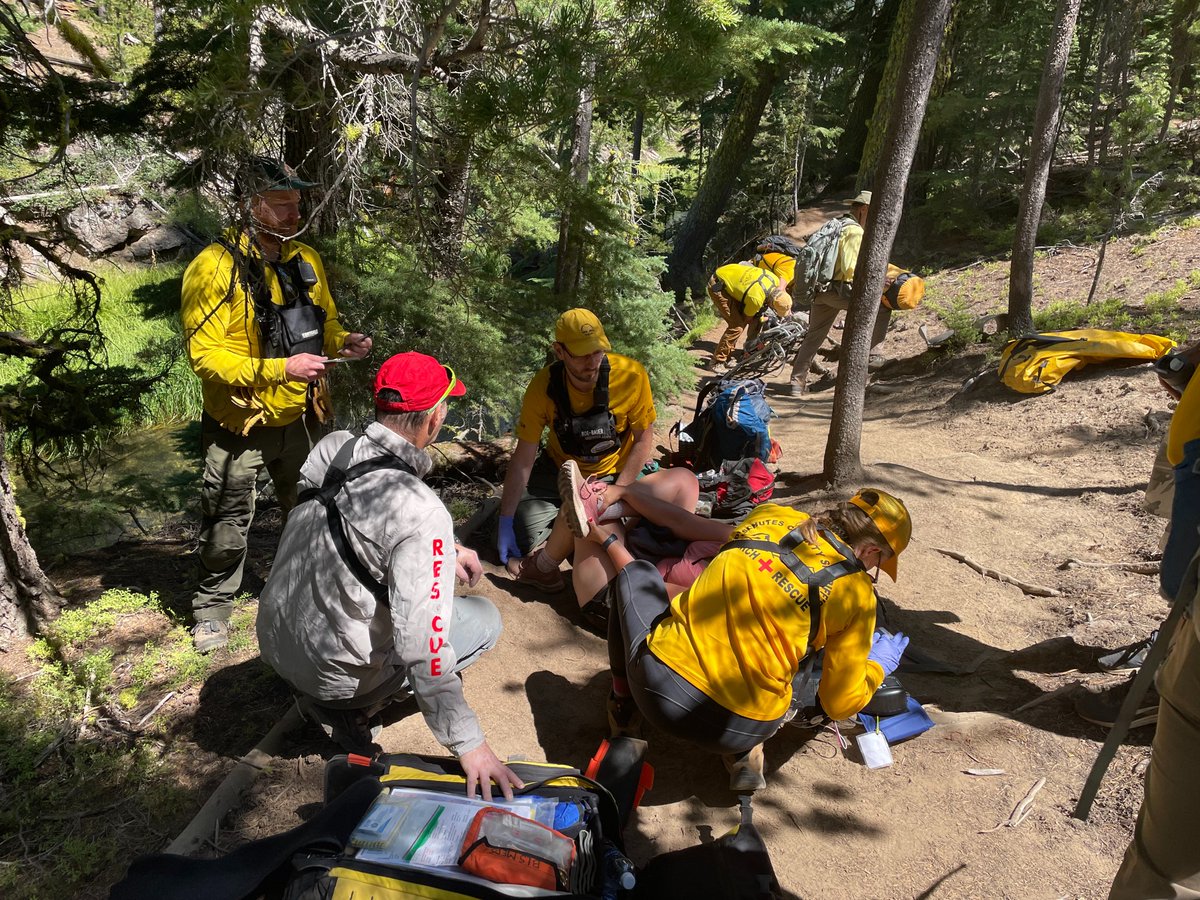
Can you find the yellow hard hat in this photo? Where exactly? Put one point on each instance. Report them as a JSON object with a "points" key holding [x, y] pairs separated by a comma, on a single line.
{"points": [[890, 517]]}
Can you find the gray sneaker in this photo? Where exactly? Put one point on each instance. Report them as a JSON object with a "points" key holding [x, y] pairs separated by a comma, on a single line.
{"points": [[1130, 657], [210, 635]]}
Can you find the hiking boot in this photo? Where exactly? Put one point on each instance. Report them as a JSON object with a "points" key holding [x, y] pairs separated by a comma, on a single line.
{"points": [[525, 570], [210, 635], [581, 498], [745, 770], [796, 387], [1102, 707], [875, 362], [624, 717], [1130, 657], [351, 729]]}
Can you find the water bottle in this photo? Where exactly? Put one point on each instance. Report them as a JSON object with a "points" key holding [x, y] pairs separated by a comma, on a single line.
{"points": [[618, 873]]}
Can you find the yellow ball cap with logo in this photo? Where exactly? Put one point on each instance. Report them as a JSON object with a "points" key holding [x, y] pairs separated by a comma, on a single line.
{"points": [[890, 517], [581, 332]]}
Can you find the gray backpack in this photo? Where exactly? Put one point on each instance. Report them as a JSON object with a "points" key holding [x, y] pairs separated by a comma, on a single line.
{"points": [[817, 259]]}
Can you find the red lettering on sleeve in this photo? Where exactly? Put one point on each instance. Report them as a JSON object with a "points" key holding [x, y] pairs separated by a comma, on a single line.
{"points": [[436, 647], [437, 547], [437, 623], [437, 568], [435, 666], [436, 593]]}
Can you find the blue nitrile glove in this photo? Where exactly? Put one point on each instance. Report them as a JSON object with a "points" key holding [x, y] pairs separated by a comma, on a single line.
{"points": [[887, 650], [506, 539]]}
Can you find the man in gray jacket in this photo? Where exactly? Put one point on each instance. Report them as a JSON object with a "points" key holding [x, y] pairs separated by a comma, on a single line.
{"points": [[359, 611]]}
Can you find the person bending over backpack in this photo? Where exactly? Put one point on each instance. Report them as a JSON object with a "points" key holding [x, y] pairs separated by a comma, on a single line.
{"points": [[715, 665], [742, 293]]}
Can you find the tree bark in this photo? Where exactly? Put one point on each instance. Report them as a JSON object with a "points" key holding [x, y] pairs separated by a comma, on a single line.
{"points": [[685, 264], [450, 193], [843, 462], [1037, 172], [889, 90], [569, 265], [28, 599], [854, 136]]}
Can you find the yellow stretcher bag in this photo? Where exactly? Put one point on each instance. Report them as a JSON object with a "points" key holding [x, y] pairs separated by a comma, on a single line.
{"points": [[1035, 363]]}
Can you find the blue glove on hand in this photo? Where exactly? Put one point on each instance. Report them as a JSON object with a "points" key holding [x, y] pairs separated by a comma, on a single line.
{"points": [[506, 539], [887, 650]]}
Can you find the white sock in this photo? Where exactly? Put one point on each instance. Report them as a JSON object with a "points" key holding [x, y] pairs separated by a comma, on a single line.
{"points": [[614, 511]]}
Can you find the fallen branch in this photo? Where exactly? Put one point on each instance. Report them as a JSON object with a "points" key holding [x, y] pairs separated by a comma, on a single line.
{"points": [[157, 706], [1044, 698], [1021, 811], [1138, 568], [983, 773], [1035, 590]]}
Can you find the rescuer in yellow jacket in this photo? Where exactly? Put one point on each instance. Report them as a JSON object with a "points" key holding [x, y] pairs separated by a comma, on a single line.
{"points": [[716, 664], [742, 293], [260, 328]]}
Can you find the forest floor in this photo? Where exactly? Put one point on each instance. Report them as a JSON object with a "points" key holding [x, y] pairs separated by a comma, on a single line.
{"points": [[1018, 483]]}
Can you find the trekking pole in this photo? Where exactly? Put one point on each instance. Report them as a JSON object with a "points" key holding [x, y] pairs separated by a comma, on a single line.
{"points": [[1137, 691]]}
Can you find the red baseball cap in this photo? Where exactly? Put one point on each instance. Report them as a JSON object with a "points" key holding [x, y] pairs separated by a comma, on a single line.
{"points": [[421, 381]]}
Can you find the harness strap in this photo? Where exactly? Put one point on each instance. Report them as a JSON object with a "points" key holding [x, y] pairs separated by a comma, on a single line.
{"points": [[810, 577], [336, 478]]}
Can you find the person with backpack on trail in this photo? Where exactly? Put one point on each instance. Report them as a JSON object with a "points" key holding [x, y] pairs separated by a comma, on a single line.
{"points": [[743, 293], [716, 665], [260, 328], [834, 296], [598, 411], [359, 611]]}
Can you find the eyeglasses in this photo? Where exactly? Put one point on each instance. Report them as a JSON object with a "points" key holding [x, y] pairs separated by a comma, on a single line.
{"points": [[449, 387]]}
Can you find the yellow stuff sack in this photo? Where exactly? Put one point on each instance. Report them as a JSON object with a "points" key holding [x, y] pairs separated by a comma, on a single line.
{"points": [[902, 289], [1035, 363]]}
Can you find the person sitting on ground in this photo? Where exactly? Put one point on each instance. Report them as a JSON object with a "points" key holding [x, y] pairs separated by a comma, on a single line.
{"points": [[359, 611], [835, 297], [599, 411], [742, 293], [716, 664]]}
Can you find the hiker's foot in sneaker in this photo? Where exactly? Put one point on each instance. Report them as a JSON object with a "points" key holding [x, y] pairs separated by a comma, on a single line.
{"points": [[1102, 707], [745, 770], [875, 362], [1130, 657], [796, 387], [581, 498], [527, 570], [624, 717], [210, 635]]}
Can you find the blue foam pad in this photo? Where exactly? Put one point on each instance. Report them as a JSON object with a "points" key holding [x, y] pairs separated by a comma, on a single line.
{"points": [[900, 727]]}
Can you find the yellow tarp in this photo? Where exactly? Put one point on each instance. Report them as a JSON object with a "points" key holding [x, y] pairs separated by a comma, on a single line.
{"points": [[1035, 363]]}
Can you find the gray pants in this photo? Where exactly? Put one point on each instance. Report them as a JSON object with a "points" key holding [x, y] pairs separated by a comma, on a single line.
{"points": [[639, 601], [825, 308], [231, 467]]}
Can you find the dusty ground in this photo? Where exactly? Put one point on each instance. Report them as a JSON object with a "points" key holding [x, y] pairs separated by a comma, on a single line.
{"points": [[1019, 484]]}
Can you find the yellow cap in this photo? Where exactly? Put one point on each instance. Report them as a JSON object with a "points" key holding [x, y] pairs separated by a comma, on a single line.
{"points": [[890, 517], [581, 332]]}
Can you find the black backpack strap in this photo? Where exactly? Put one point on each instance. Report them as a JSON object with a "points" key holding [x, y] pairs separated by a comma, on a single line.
{"points": [[813, 579], [336, 477], [556, 390], [600, 391]]}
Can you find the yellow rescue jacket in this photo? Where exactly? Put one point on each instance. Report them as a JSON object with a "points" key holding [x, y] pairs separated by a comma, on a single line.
{"points": [[1035, 363], [749, 286], [242, 388]]}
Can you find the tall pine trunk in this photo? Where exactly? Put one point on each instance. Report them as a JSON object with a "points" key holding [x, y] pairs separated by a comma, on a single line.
{"points": [[889, 91], [569, 265], [28, 599], [854, 136], [1037, 172], [843, 463], [685, 264]]}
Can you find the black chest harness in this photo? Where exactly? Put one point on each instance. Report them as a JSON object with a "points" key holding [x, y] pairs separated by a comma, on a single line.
{"points": [[815, 580], [586, 436], [336, 478], [296, 326]]}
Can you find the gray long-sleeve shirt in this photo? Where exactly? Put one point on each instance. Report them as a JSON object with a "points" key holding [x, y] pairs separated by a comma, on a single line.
{"points": [[321, 628]]}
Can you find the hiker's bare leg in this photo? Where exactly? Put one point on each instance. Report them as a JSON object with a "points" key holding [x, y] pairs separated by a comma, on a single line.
{"points": [[593, 568], [669, 501], [560, 542]]}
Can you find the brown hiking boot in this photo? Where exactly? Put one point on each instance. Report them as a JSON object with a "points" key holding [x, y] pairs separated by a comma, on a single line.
{"points": [[624, 717], [745, 770], [525, 571]]}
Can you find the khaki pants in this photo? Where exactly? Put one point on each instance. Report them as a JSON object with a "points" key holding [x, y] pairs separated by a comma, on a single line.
{"points": [[231, 467], [1164, 859], [735, 321], [825, 308]]}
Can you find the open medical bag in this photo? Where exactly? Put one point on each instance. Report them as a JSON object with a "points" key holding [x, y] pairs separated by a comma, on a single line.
{"points": [[573, 811]]}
